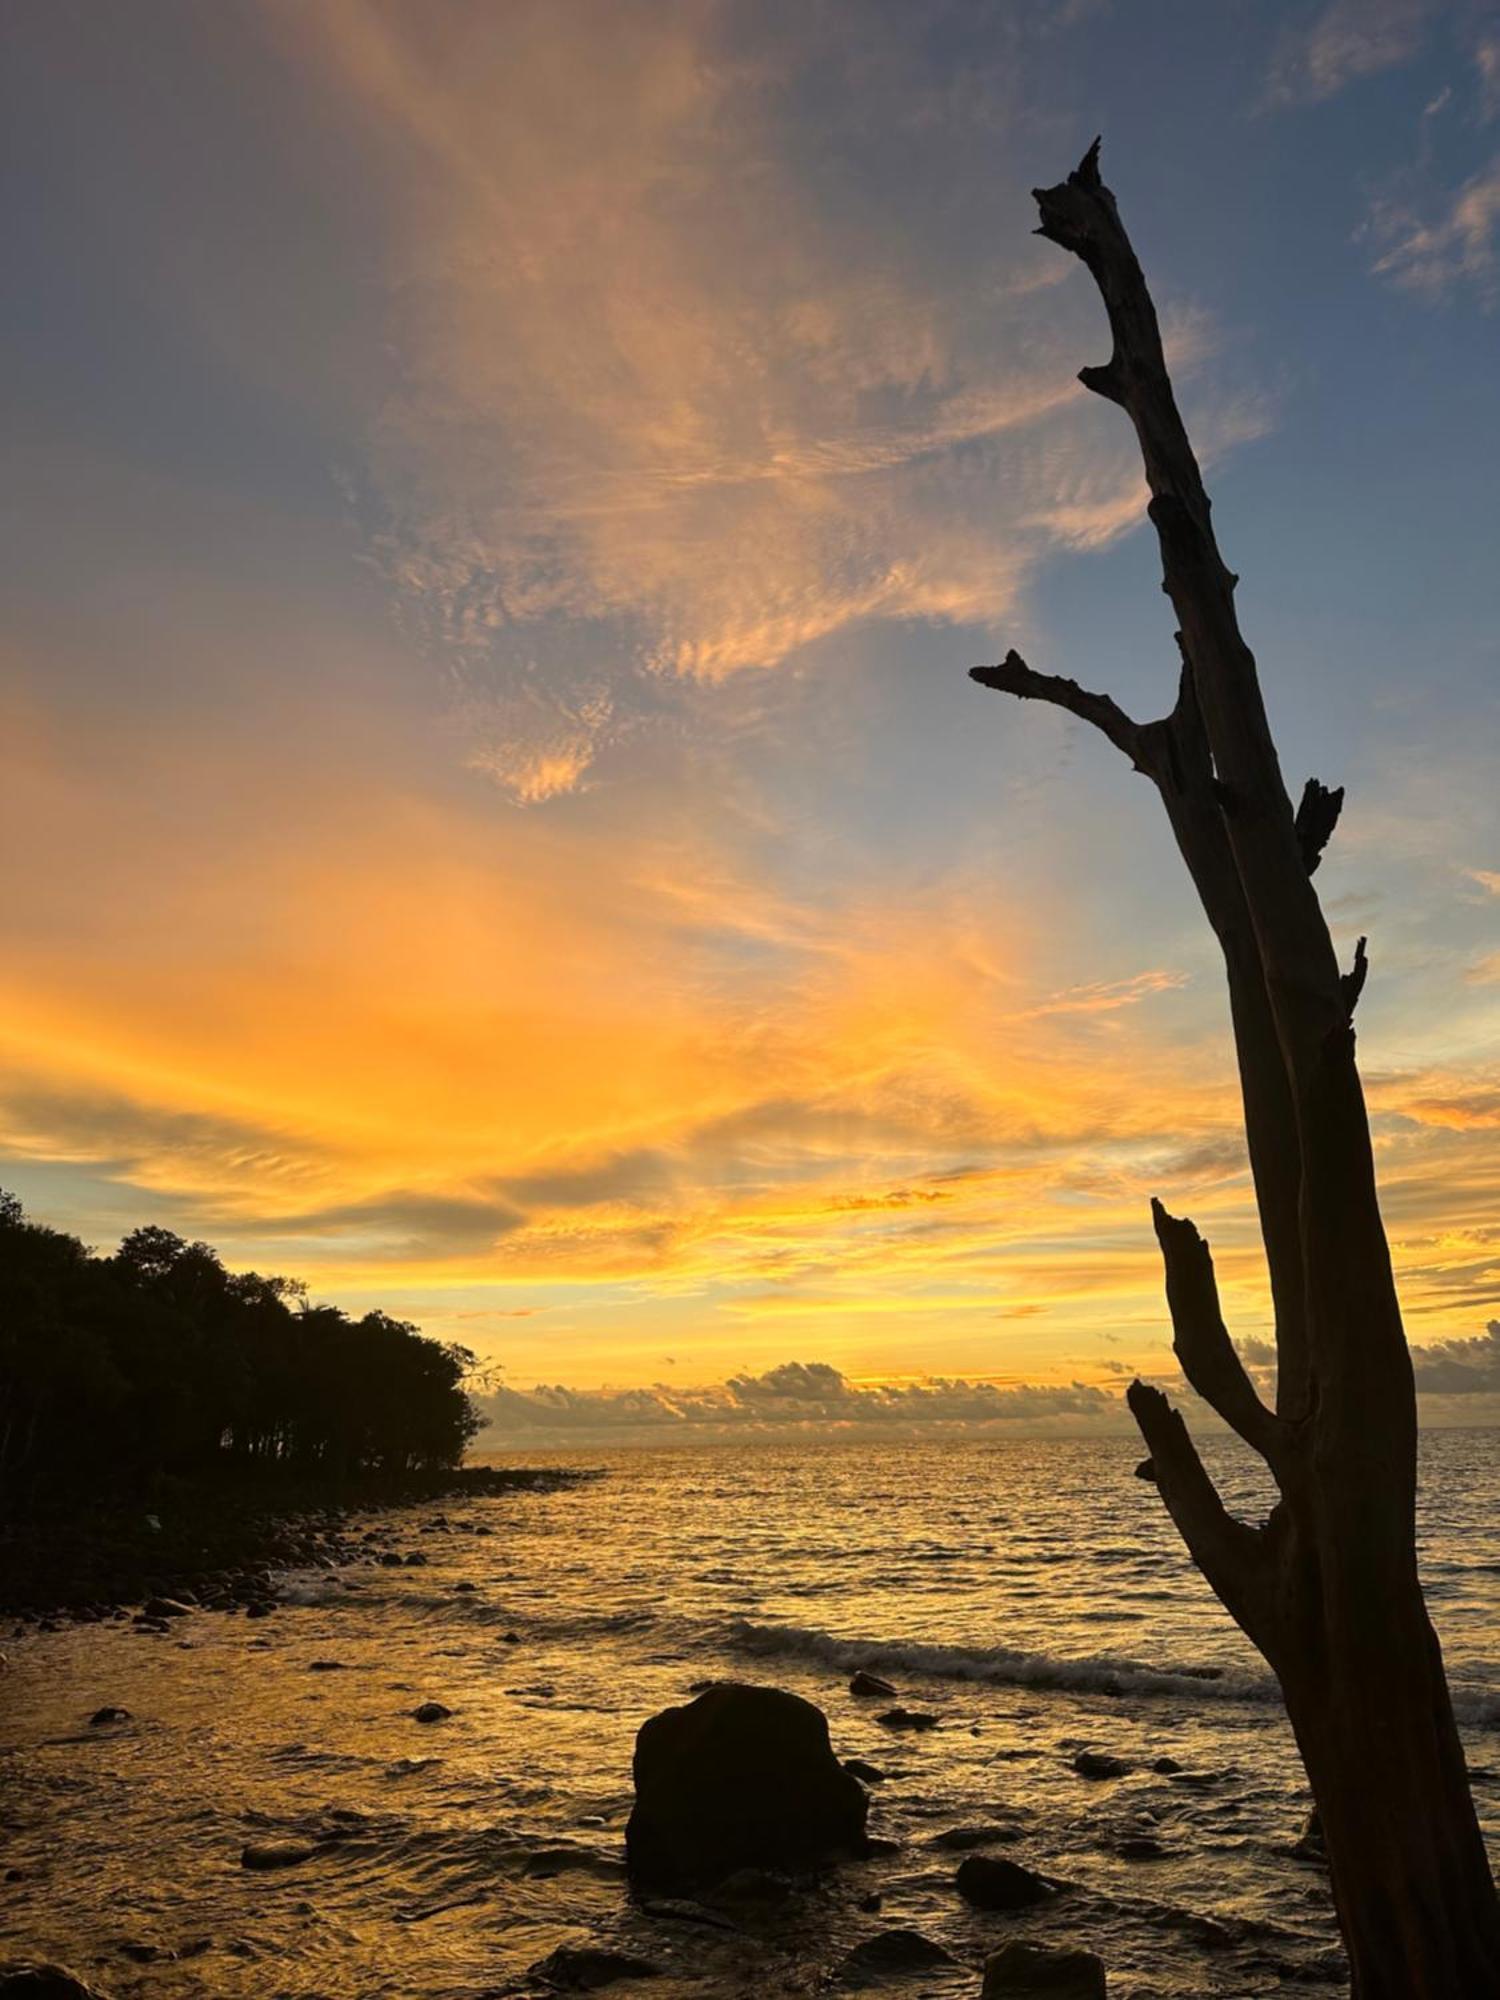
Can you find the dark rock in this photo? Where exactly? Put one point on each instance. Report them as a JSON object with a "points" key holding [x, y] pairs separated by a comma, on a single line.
{"points": [[877, 1845], [742, 1777], [1146, 1470], [259, 1608], [1025, 1971], [164, 1607], [276, 1853], [1141, 1847], [1100, 1764], [907, 1718], [465, 1589], [959, 1839], [990, 1882], [869, 1774], [43, 1982], [325, 1666], [1310, 1845], [752, 1885], [388, 1559], [1165, 1767], [864, 1683], [101, 1716], [430, 1711], [585, 1968], [890, 1954], [510, 1638], [416, 1560]]}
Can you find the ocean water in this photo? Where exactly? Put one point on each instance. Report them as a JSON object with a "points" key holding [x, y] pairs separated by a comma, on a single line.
{"points": [[1029, 1594]]}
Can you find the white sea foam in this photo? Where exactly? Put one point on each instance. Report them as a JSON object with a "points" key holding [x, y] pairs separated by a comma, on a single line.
{"points": [[1003, 1666], [1101, 1673]]}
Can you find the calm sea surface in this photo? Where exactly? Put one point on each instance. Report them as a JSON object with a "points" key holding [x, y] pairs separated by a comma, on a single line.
{"points": [[1029, 1594]]}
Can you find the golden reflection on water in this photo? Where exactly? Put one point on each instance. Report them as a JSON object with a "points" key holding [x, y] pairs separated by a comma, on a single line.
{"points": [[1005, 1589]]}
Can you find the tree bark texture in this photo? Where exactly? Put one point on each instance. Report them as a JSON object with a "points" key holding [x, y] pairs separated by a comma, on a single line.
{"points": [[1327, 1586]]}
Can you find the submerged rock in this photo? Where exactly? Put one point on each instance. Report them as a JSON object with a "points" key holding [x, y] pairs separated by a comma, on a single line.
{"points": [[265, 1854], [1141, 1847], [959, 1839], [757, 1888], [907, 1718], [893, 1952], [1310, 1845], [164, 1607], [990, 1882], [44, 1982], [1025, 1971], [585, 1968], [101, 1716], [1100, 1764], [864, 1684], [743, 1777], [870, 1774], [430, 1711]]}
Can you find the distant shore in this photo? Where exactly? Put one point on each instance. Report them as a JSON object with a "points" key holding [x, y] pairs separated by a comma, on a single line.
{"points": [[216, 1542]]}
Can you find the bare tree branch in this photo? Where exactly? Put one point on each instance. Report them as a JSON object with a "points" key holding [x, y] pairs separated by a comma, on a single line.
{"points": [[1226, 1550], [1201, 1340], [1300, 971], [1317, 815], [1352, 982], [1013, 676]]}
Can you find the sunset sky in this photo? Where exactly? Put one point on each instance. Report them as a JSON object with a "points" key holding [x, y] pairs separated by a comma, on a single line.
{"points": [[503, 495]]}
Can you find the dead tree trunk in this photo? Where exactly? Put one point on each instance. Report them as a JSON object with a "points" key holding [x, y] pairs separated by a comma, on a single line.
{"points": [[1327, 1587]]}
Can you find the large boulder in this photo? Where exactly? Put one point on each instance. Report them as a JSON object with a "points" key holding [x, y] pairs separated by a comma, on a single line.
{"points": [[743, 1777], [1025, 1971]]}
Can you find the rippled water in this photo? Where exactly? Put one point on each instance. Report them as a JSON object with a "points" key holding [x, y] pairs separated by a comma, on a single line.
{"points": [[1029, 1594]]}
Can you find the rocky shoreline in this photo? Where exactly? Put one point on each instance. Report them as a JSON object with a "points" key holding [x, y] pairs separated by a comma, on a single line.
{"points": [[217, 1545]]}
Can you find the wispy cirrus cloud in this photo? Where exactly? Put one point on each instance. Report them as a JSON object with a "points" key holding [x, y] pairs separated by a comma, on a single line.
{"points": [[682, 398], [1342, 43], [1445, 243]]}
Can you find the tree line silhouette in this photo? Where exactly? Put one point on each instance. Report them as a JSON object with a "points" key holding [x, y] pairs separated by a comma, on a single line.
{"points": [[157, 1360]]}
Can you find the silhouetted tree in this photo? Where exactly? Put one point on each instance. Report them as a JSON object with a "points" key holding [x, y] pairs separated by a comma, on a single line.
{"points": [[158, 1360], [1327, 1586]]}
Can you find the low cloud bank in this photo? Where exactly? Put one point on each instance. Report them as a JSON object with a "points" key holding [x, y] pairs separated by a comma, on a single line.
{"points": [[797, 1398], [1460, 1367], [806, 1399]]}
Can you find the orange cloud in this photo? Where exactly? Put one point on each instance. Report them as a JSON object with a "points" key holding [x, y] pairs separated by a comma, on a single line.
{"points": [[668, 409]]}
